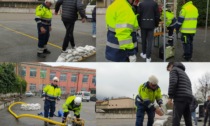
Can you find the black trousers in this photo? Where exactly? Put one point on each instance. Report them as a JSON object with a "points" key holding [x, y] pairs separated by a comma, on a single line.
{"points": [[187, 45], [43, 38], [182, 108], [170, 35], [207, 115], [147, 40], [69, 37]]}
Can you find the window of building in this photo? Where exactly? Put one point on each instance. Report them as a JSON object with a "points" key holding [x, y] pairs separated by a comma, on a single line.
{"points": [[85, 79], [94, 80], [72, 91], [63, 90], [23, 71], [43, 73], [83, 89], [42, 86], [63, 77], [93, 91], [52, 75], [73, 78], [32, 87], [32, 72]]}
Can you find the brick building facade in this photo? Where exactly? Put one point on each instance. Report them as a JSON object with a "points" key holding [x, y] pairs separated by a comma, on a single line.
{"points": [[72, 79]]}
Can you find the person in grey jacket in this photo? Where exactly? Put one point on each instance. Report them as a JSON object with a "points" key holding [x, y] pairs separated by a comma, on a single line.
{"points": [[180, 91], [69, 15]]}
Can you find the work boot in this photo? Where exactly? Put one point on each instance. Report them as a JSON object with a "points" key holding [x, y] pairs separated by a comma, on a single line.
{"points": [[46, 51], [45, 124], [41, 55]]}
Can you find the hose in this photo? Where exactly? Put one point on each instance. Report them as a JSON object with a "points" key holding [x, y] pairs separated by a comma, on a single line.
{"points": [[32, 116]]}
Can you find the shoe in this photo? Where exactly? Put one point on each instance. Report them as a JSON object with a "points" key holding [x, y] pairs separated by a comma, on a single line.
{"points": [[148, 60], [45, 124], [73, 47], [143, 56], [64, 51], [94, 36], [41, 55], [46, 51]]}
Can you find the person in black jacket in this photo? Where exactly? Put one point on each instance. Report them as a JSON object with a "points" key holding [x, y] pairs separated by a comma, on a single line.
{"points": [[207, 111], [94, 23], [148, 19], [69, 16], [193, 107], [180, 91]]}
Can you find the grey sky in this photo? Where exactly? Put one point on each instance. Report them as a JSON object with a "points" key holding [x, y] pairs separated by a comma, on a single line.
{"points": [[123, 79]]}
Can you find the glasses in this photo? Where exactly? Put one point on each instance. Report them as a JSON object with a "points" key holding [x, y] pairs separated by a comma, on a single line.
{"points": [[55, 81]]}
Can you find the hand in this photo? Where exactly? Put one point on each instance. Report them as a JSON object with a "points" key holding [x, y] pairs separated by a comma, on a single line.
{"points": [[43, 98], [159, 111], [170, 103], [83, 20], [43, 30], [56, 13], [132, 58], [50, 28], [205, 111]]}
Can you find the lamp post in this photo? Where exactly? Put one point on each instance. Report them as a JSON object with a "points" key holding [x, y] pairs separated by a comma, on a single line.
{"points": [[207, 13]]}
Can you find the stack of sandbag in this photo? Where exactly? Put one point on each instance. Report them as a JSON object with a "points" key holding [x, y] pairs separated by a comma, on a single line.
{"points": [[32, 106], [77, 54]]}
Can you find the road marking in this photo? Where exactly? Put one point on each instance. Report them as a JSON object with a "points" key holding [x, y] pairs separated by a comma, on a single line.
{"points": [[29, 36]]}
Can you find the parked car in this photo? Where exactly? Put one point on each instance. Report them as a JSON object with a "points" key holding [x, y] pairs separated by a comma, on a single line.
{"points": [[29, 94], [200, 112], [93, 98], [85, 95]]}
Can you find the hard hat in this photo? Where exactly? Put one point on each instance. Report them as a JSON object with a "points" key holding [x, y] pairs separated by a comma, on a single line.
{"points": [[55, 78], [153, 80], [50, 1], [77, 101]]}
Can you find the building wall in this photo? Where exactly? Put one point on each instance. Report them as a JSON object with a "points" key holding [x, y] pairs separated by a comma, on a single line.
{"points": [[68, 84]]}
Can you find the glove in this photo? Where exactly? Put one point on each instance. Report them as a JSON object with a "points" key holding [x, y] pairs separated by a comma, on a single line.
{"points": [[63, 119], [163, 108], [132, 58]]}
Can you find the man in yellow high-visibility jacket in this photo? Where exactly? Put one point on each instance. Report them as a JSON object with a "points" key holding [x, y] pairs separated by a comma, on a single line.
{"points": [[122, 24], [170, 24], [51, 93], [144, 101], [43, 20], [187, 23], [74, 104]]}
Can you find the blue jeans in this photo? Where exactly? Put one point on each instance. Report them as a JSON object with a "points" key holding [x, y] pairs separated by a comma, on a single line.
{"points": [[49, 105], [194, 117], [141, 109], [93, 28]]}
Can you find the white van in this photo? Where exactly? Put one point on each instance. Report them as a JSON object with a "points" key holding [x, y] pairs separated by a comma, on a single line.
{"points": [[89, 10], [85, 95]]}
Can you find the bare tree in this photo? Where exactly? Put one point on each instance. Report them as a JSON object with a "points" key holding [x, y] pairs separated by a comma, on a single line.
{"points": [[203, 87]]}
